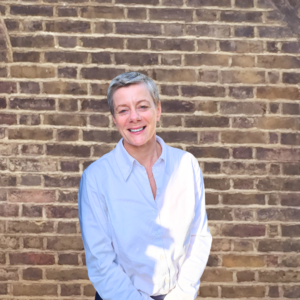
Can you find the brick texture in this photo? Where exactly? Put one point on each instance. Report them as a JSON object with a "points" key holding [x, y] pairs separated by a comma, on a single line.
{"points": [[228, 74]]}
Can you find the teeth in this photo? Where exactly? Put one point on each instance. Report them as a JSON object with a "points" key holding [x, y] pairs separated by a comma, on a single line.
{"points": [[136, 130]]}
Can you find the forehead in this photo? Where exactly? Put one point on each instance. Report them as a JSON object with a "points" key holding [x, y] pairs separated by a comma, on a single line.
{"points": [[133, 92]]}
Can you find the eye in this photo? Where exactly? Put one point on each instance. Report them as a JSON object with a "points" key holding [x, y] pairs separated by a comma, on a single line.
{"points": [[143, 107]]}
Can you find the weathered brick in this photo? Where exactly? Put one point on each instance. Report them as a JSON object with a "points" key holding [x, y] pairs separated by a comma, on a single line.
{"points": [[277, 154], [138, 28], [68, 26], [66, 212], [70, 290], [26, 56], [67, 41], [136, 59], [33, 274], [171, 14], [31, 10], [101, 136], [8, 87], [216, 31], [30, 134], [278, 62], [241, 46], [32, 211], [274, 32], [204, 91], [137, 13], [217, 275], [32, 103], [243, 291], [102, 42], [32, 165], [31, 196], [69, 166], [279, 276], [206, 59], [66, 56], [243, 230], [208, 291], [100, 73], [173, 44], [219, 214], [240, 16], [67, 150], [31, 258], [67, 228], [61, 87], [35, 289], [137, 44], [61, 181], [32, 26], [207, 152], [290, 47], [66, 12], [32, 72], [222, 3], [248, 77], [233, 261], [29, 227], [65, 243], [32, 149], [206, 15], [37, 41], [30, 87]]}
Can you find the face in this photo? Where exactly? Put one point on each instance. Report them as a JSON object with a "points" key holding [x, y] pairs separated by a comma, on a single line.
{"points": [[136, 114]]}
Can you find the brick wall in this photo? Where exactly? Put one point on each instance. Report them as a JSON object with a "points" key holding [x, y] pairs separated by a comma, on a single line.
{"points": [[228, 73]]}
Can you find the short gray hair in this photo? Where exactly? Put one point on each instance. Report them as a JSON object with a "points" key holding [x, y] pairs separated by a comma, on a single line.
{"points": [[128, 78]]}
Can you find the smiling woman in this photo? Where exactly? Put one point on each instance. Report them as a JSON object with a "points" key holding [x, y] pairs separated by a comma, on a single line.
{"points": [[142, 206]]}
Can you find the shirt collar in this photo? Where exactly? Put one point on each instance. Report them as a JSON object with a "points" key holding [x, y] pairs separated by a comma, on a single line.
{"points": [[125, 161]]}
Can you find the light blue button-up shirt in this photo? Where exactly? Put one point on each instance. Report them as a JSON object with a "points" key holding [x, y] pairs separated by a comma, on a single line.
{"points": [[137, 246]]}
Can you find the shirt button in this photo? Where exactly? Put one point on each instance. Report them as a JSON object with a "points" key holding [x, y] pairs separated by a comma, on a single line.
{"points": [[166, 280], [162, 257]]}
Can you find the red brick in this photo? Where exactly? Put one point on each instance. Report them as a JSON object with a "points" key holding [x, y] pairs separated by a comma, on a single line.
{"points": [[247, 77], [278, 62], [219, 214], [279, 276], [33, 242], [217, 183], [208, 152], [66, 12], [290, 139], [32, 211], [70, 290], [144, 2], [69, 166], [187, 137], [7, 180], [279, 154], [244, 276], [31, 196], [26, 56], [68, 150], [208, 291], [9, 210], [275, 32], [8, 119], [102, 42], [8, 87], [243, 199], [67, 227], [136, 13], [31, 258], [196, 121], [241, 16], [30, 87]]}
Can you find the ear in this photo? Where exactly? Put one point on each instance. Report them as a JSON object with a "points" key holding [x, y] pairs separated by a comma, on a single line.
{"points": [[158, 109]]}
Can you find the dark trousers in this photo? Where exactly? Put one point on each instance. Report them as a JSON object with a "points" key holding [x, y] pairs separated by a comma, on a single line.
{"points": [[161, 297]]}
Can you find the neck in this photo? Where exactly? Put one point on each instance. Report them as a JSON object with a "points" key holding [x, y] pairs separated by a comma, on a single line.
{"points": [[146, 154]]}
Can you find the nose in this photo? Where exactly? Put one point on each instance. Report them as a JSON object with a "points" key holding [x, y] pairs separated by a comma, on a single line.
{"points": [[134, 116]]}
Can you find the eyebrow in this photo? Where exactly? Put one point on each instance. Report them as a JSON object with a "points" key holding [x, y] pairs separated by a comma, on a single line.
{"points": [[136, 103]]}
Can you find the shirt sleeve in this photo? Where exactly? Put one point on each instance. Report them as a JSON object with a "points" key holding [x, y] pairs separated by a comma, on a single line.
{"points": [[107, 276], [200, 243]]}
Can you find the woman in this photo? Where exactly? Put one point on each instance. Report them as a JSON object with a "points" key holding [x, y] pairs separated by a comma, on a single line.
{"points": [[142, 206]]}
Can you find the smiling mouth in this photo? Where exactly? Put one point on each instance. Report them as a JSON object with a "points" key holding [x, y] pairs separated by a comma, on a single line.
{"points": [[137, 130]]}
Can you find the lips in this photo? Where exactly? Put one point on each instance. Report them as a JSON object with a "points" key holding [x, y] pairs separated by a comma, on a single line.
{"points": [[137, 129]]}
